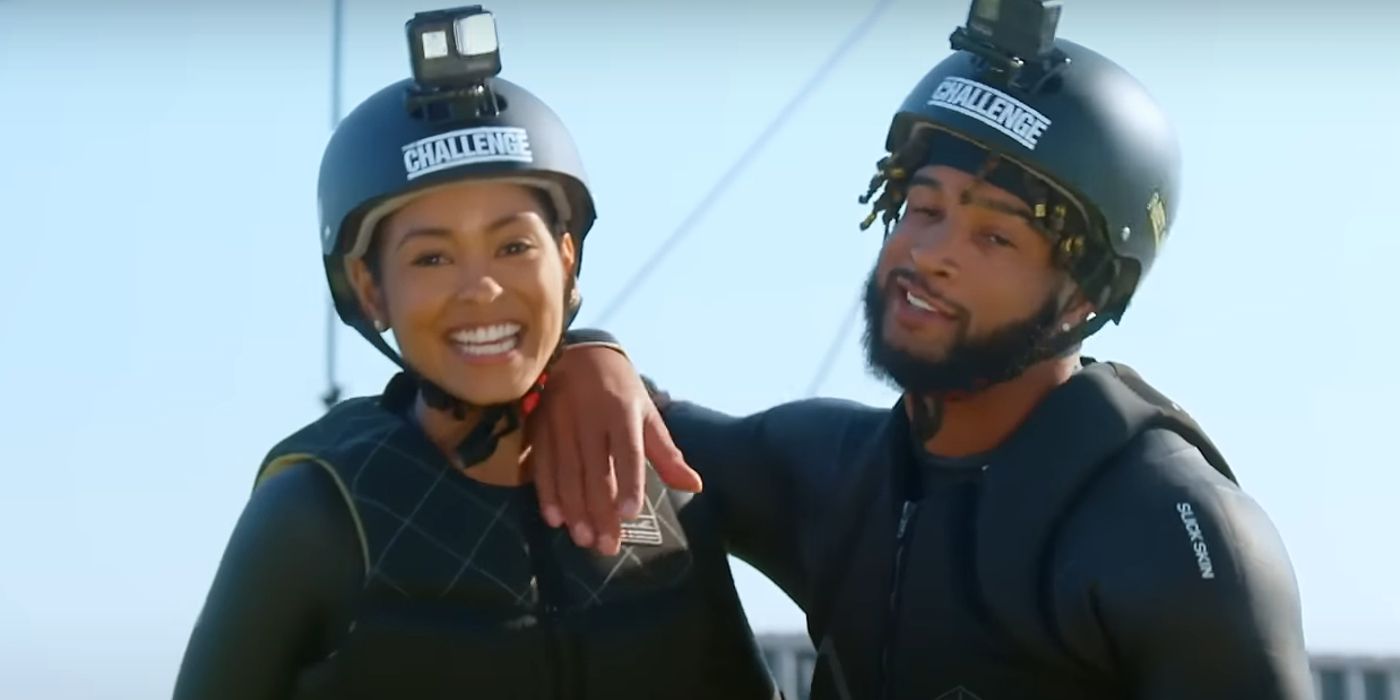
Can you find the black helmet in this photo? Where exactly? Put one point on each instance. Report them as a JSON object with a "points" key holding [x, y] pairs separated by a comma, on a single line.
{"points": [[1069, 116], [405, 139]]}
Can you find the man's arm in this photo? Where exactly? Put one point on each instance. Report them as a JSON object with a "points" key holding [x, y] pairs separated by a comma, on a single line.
{"points": [[293, 551], [1198, 597], [595, 428], [767, 491], [769, 476]]}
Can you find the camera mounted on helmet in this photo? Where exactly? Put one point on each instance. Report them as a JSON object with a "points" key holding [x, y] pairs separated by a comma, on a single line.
{"points": [[1101, 156], [453, 120], [1008, 34], [454, 53]]}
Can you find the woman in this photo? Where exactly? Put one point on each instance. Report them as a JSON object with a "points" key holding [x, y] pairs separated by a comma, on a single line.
{"points": [[393, 548]]}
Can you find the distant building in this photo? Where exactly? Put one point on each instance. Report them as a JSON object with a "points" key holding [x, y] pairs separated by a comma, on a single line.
{"points": [[1348, 677], [1336, 677], [791, 659]]}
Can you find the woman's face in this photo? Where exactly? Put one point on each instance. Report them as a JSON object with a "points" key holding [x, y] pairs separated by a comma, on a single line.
{"points": [[472, 280]]}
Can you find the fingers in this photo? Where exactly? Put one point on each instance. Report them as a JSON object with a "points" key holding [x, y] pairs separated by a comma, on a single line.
{"points": [[599, 489], [629, 463], [599, 486], [544, 465], [568, 482], [665, 457]]}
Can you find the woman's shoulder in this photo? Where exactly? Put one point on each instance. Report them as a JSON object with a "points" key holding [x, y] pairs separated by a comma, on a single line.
{"points": [[300, 497], [350, 426]]}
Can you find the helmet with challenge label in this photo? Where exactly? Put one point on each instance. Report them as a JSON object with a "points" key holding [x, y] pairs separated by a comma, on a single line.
{"points": [[440, 128], [1103, 147]]}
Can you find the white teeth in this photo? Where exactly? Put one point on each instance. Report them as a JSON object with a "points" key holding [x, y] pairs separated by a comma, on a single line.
{"points": [[482, 341], [918, 303], [480, 349], [487, 334]]}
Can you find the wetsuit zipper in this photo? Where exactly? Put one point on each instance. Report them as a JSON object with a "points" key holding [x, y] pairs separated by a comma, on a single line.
{"points": [[903, 533], [548, 581]]}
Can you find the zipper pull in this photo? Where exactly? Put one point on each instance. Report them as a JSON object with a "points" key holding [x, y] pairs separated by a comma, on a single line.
{"points": [[905, 514]]}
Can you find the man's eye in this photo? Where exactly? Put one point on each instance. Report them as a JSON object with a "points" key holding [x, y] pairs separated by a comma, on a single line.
{"points": [[998, 239], [930, 213]]}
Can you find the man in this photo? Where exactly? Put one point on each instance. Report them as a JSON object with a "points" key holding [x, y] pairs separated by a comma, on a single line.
{"points": [[1024, 523]]}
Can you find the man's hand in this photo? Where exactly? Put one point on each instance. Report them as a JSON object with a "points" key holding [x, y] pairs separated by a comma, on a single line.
{"points": [[590, 438]]}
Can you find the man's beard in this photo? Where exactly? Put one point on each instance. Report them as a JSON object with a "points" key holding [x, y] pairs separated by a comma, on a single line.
{"points": [[970, 364]]}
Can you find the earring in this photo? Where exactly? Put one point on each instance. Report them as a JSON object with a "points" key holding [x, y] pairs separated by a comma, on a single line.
{"points": [[379, 326], [1064, 327], [574, 297]]}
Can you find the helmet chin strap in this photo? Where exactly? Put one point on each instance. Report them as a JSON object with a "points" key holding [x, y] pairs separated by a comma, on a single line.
{"points": [[496, 420], [1055, 214], [1062, 339], [1057, 342]]}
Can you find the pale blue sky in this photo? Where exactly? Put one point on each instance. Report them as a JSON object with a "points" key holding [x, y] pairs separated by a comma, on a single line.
{"points": [[162, 302]]}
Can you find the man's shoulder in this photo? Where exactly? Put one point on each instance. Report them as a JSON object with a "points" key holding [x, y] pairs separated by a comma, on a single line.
{"points": [[838, 431], [1162, 521], [809, 445], [1163, 460], [805, 421], [1170, 554], [825, 410], [1156, 484], [1165, 451]]}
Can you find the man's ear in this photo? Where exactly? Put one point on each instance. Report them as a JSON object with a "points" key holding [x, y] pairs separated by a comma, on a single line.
{"points": [[1077, 306], [368, 293]]}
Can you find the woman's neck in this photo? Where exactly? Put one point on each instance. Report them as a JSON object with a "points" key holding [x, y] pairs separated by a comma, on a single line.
{"points": [[505, 466]]}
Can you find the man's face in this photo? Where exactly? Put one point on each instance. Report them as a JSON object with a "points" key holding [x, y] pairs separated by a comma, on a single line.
{"points": [[964, 288]]}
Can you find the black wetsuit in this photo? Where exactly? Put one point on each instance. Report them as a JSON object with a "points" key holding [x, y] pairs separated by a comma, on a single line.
{"points": [[1161, 580], [366, 566]]}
